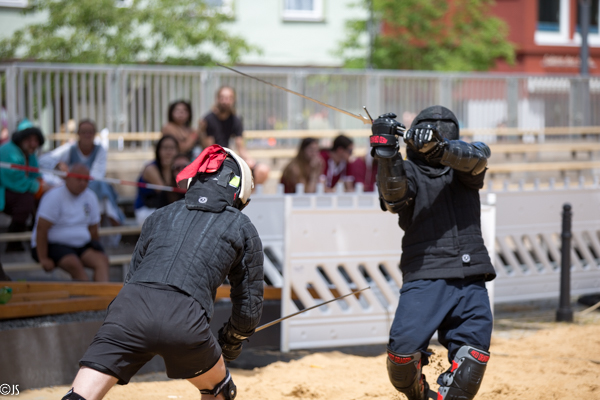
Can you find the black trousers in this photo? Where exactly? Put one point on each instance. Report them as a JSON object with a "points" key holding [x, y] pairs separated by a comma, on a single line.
{"points": [[458, 309]]}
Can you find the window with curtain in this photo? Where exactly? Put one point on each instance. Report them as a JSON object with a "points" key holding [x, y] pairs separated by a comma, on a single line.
{"points": [[303, 10]]}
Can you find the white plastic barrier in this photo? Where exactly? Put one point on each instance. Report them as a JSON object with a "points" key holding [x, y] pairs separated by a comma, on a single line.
{"points": [[335, 244], [340, 240], [528, 254], [267, 215]]}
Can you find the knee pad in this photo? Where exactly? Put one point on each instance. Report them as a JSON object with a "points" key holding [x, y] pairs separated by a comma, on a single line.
{"points": [[404, 371], [71, 395], [226, 386], [462, 380]]}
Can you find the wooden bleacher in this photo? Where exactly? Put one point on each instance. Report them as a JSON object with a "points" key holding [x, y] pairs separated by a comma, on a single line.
{"points": [[32, 299], [102, 231], [120, 259], [533, 146]]}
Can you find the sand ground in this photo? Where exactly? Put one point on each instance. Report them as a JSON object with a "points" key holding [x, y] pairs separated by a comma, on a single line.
{"points": [[530, 360]]}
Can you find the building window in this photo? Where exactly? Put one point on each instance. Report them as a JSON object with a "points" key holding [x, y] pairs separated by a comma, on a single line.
{"points": [[594, 13], [548, 16], [13, 3], [553, 22], [303, 10]]}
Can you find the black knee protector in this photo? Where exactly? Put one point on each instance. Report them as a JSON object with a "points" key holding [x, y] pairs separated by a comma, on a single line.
{"points": [[71, 395], [462, 380], [226, 386], [405, 375]]}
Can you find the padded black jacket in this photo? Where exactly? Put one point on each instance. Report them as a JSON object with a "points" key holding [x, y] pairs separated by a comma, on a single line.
{"points": [[186, 246], [441, 219]]}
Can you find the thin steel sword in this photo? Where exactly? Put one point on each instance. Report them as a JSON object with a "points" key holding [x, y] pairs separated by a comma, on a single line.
{"points": [[260, 328], [365, 120]]}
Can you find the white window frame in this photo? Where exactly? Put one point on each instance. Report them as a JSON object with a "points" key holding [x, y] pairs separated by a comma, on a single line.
{"points": [[314, 15], [14, 3], [544, 38]]}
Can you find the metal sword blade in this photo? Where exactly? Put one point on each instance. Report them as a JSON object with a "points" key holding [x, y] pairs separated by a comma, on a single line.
{"points": [[260, 328], [365, 120]]}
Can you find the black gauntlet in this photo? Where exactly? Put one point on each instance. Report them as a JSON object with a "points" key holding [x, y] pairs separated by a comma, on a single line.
{"points": [[384, 139], [230, 341]]}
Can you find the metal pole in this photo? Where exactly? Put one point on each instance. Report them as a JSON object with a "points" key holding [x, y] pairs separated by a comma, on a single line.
{"points": [[584, 20], [564, 312], [371, 32], [584, 68]]}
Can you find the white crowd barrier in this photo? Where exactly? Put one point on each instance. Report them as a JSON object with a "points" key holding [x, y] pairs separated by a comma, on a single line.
{"points": [[334, 244], [528, 241], [319, 246]]}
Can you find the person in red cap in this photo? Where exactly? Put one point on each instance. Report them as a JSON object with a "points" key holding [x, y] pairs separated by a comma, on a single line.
{"points": [[184, 253]]}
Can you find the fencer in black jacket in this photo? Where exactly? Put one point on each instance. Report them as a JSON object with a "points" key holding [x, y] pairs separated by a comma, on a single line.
{"points": [[444, 262], [185, 252]]}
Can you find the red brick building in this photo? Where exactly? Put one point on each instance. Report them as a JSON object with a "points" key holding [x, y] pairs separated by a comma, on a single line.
{"points": [[546, 33]]}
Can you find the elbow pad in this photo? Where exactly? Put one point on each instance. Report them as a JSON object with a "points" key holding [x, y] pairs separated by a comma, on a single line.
{"points": [[466, 157], [391, 182]]}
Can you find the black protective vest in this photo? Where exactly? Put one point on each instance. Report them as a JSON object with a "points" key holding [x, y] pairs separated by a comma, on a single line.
{"points": [[441, 220]]}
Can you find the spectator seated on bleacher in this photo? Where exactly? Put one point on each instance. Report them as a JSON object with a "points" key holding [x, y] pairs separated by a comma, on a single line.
{"points": [[364, 170], [18, 189], [179, 163], [336, 166], [180, 126], [85, 151], [158, 172], [304, 168], [66, 230]]}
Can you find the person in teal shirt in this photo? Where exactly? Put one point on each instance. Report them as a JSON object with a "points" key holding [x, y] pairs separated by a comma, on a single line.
{"points": [[18, 188]]}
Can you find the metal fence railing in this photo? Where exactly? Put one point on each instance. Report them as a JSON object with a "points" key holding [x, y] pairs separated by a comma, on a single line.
{"points": [[136, 98]]}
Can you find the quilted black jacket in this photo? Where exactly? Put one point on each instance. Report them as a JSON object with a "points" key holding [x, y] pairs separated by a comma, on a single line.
{"points": [[193, 249], [442, 225]]}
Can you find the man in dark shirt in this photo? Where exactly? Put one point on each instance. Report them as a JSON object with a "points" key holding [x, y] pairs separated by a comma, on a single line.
{"points": [[222, 123]]}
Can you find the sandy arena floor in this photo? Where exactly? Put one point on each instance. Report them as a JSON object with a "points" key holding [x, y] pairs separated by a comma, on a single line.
{"points": [[530, 360]]}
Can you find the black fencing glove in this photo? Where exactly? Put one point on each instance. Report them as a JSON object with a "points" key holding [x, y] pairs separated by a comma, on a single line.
{"points": [[230, 341], [384, 140], [423, 138]]}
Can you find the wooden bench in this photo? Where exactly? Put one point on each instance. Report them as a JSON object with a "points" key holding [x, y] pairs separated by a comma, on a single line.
{"points": [[288, 154], [128, 163], [102, 231], [121, 259], [48, 298], [332, 133], [543, 166]]}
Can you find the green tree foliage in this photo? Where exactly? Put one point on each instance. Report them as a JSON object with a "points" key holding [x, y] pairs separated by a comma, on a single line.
{"points": [[120, 32], [440, 35]]}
